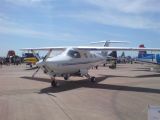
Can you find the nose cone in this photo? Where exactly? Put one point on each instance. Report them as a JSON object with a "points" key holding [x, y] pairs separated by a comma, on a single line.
{"points": [[40, 63]]}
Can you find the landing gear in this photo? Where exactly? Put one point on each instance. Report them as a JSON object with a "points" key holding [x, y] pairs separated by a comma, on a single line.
{"points": [[35, 72], [53, 83], [66, 77], [30, 65], [92, 79]]}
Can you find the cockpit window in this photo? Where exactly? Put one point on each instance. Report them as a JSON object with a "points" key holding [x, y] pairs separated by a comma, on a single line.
{"points": [[74, 54]]}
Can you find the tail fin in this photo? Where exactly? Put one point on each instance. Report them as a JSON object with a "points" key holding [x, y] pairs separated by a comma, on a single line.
{"points": [[123, 55], [107, 44], [113, 54], [142, 54]]}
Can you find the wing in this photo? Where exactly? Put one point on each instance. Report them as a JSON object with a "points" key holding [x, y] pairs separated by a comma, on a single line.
{"points": [[90, 48], [43, 48], [118, 49]]}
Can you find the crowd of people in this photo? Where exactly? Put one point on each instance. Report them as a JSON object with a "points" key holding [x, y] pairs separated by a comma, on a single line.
{"points": [[15, 60]]}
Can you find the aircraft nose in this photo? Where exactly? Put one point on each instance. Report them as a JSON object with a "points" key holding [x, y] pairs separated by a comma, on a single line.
{"points": [[40, 63]]}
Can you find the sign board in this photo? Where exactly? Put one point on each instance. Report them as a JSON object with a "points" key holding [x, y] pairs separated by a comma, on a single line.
{"points": [[153, 112]]}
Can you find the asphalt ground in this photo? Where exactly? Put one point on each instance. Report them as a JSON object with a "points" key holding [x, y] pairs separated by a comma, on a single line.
{"points": [[120, 94]]}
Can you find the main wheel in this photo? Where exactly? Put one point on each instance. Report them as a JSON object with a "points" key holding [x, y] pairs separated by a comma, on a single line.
{"points": [[53, 83], [66, 77], [93, 79]]}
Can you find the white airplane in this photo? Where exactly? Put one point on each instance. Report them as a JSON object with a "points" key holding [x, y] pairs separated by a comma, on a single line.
{"points": [[107, 44], [75, 61]]}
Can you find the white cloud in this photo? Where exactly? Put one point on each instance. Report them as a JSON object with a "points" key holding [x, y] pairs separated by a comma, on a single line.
{"points": [[106, 18], [139, 14], [127, 6], [12, 28], [28, 3], [33, 33]]}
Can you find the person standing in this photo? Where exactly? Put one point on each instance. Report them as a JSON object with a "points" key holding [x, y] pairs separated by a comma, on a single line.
{"points": [[1, 62]]}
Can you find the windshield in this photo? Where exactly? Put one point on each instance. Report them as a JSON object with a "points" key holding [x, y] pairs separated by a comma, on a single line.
{"points": [[74, 54]]}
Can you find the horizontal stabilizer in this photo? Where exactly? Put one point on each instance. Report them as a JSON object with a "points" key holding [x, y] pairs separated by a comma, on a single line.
{"points": [[108, 42]]}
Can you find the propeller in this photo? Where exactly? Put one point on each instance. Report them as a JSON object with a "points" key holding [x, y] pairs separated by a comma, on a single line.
{"points": [[42, 63], [36, 72], [47, 55]]}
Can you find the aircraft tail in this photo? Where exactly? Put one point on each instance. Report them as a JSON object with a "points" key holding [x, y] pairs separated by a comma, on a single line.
{"points": [[108, 42], [113, 54], [144, 56]]}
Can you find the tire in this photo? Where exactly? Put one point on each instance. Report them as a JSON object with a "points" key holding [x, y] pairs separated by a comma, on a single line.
{"points": [[93, 79], [66, 77], [53, 83]]}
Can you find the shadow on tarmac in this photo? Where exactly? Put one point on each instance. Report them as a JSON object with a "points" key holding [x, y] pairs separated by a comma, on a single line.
{"points": [[146, 70], [70, 85], [37, 79], [138, 76], [147, 76], [32, 68]]}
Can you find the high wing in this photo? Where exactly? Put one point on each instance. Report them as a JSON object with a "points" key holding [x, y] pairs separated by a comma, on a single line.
{"points": [[44, 48], [118, 49], [90, 48]]}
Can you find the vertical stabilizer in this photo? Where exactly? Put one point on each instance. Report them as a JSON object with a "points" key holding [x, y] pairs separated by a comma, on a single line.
{"points": [[142, 54]]}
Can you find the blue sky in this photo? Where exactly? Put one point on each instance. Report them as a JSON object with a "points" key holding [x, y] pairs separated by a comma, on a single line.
{"points": [[42, 23]]}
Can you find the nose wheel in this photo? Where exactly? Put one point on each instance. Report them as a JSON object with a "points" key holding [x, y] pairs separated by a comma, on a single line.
{"points": [[66, 76], [54, 82], [92, 79]]}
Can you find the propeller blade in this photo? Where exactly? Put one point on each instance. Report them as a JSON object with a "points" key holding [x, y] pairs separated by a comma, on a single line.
{"points": [[44, 60], [47, 55], [35, 72]]}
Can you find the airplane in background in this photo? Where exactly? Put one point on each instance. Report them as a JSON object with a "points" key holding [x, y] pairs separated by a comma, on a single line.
{"points": [[30, 58], [107, 44], [75, 61], [110, 55], [145, 57]]}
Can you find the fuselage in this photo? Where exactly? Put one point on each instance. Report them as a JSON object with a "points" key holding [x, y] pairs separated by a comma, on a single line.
{"points": [[150, 58], [71, 61]]}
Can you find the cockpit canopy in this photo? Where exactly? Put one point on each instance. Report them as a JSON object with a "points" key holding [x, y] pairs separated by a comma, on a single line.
{"points": [[73, 54]]}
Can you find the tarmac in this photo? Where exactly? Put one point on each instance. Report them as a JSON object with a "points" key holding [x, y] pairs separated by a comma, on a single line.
{"points": [[120, 94]]}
